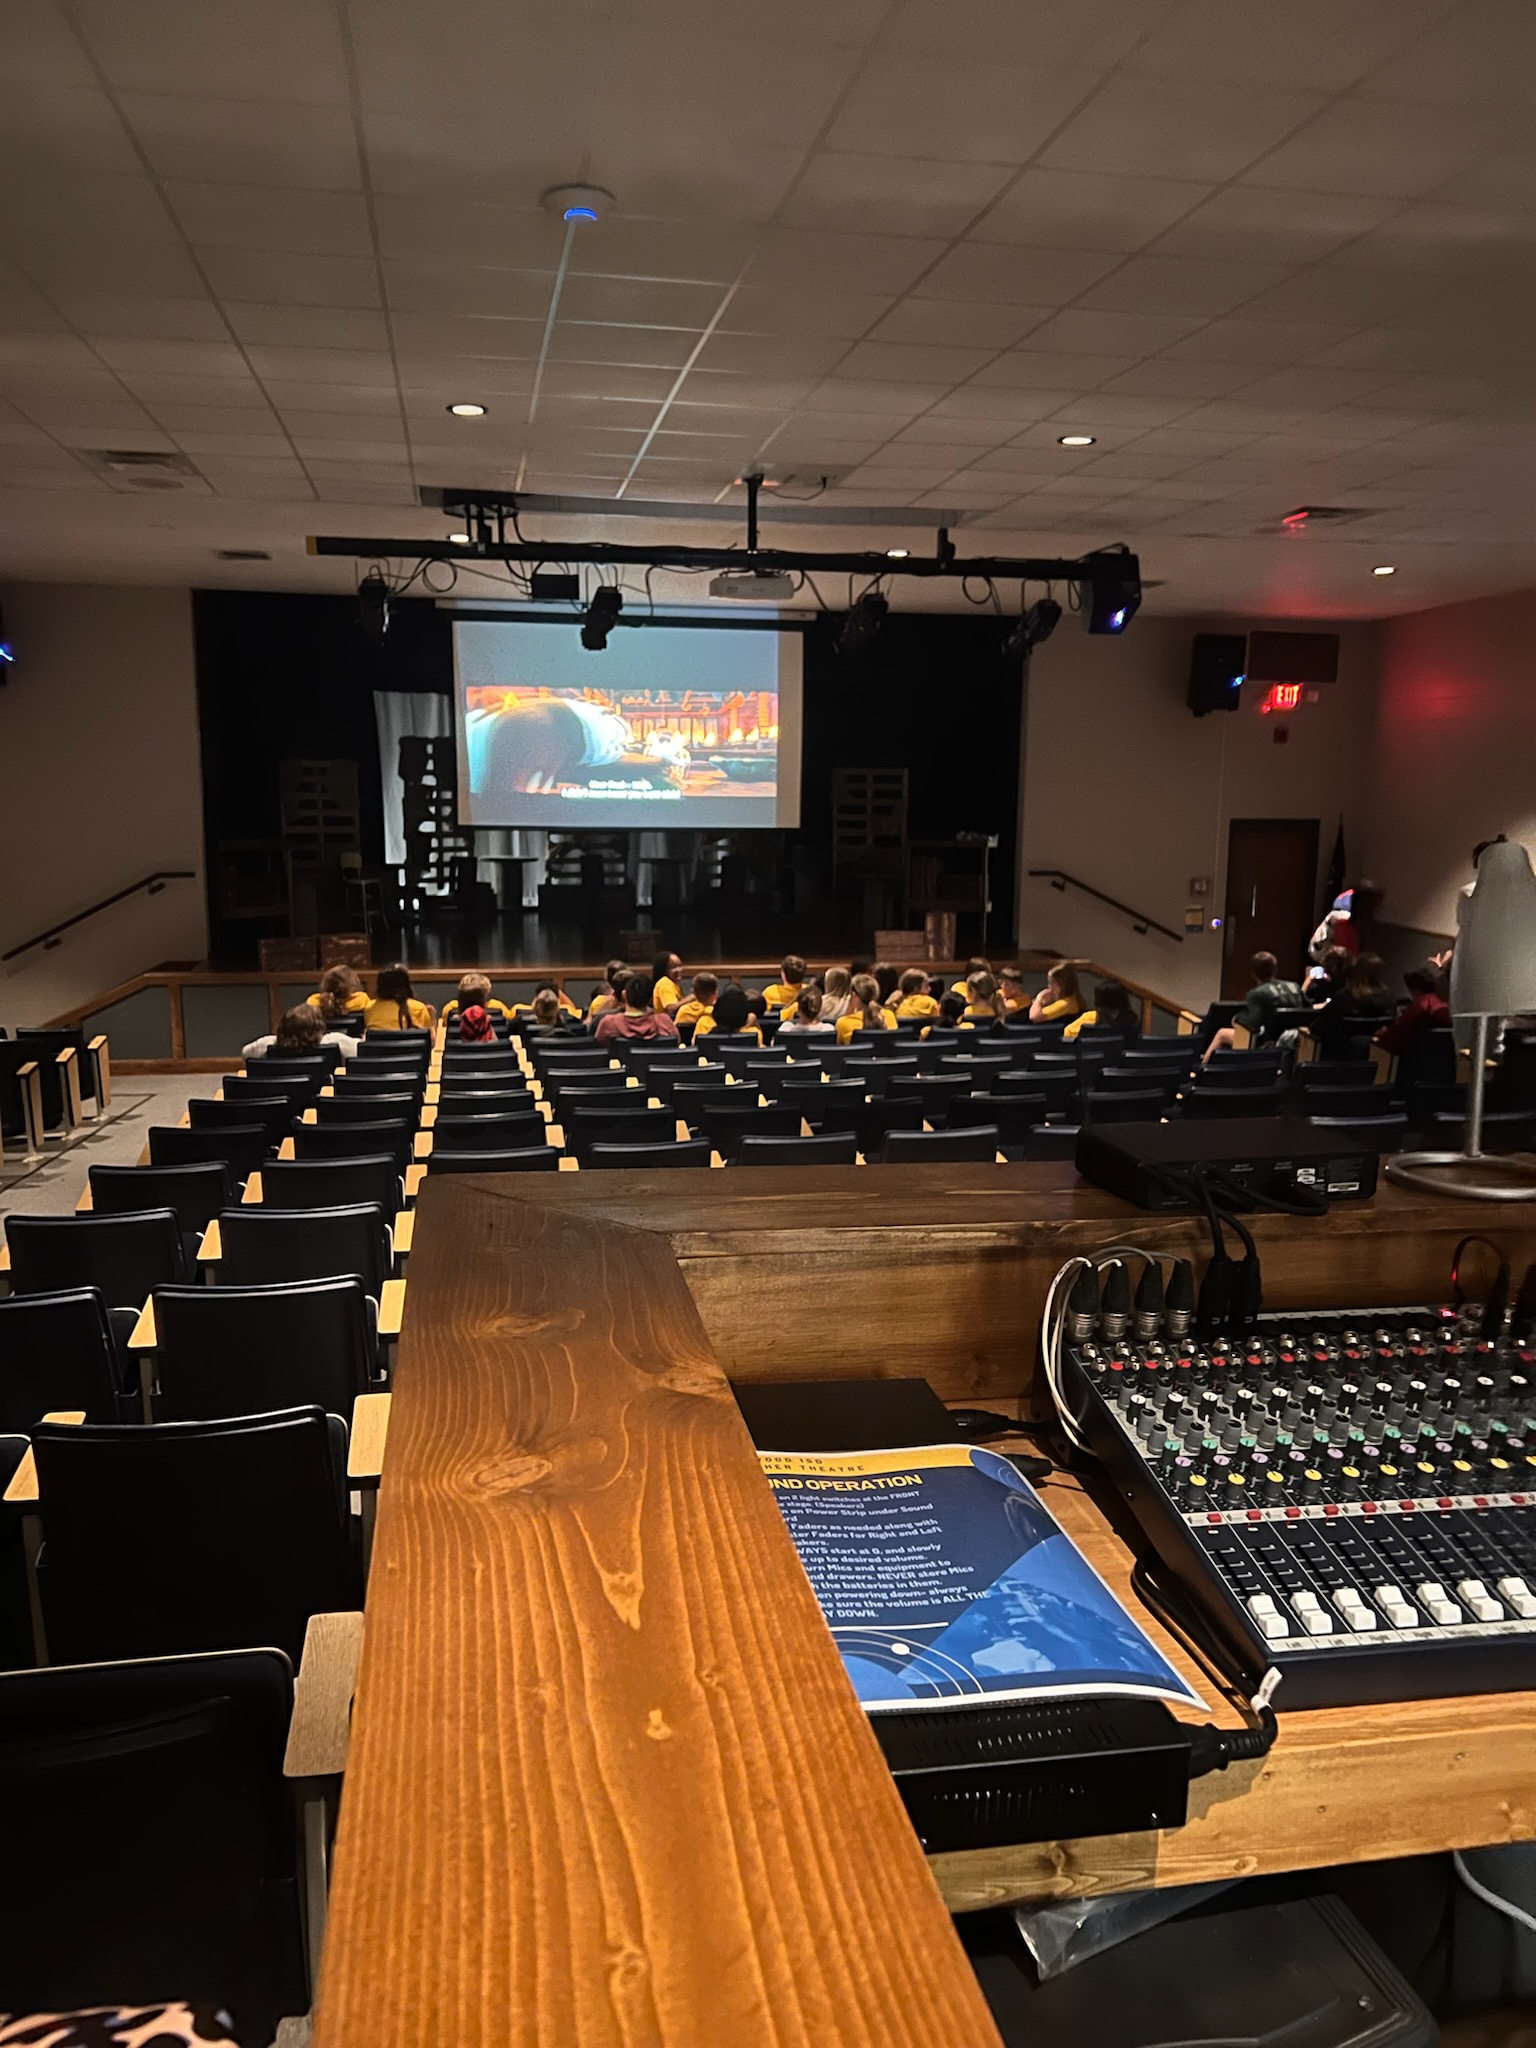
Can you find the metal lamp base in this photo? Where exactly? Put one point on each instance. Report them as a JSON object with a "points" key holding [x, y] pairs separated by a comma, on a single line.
{"points": [[1474, 1176]]}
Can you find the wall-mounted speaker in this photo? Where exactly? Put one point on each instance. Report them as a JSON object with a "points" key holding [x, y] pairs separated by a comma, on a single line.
{"points": [[1293, 657], [1217, 664]]}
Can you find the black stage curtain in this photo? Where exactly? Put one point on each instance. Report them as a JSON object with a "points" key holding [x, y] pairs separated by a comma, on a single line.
{"points": [[283, 676]]}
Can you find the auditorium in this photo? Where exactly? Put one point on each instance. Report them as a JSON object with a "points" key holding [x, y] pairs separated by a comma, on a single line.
{"points": [[768, 1024]]}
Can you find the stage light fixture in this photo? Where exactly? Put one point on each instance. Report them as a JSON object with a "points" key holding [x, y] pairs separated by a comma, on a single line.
{"points": [[863, 622], [1075, 440], [1110, 603], [601, 616], [1035, 627], [467, 410], [373, 606]]}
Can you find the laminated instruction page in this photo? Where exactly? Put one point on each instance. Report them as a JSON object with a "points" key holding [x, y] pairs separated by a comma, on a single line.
{"points": [[945, 1579]]}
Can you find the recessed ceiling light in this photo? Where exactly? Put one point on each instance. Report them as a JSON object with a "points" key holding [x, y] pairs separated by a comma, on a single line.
{"points": [[461, 538], [1076, 440], [1385, 569], [897, 554], [466, 411]]}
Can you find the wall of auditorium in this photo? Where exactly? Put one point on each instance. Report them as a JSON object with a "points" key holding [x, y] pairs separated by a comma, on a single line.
{"points": [[100, 785], [1454, 749], [1124, 788]]}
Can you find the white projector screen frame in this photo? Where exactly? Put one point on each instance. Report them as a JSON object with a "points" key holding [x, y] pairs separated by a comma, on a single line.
{"points": [[485, 655]]}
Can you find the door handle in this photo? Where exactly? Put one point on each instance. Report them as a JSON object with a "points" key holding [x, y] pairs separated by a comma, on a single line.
{"points": [[1253, 906]]}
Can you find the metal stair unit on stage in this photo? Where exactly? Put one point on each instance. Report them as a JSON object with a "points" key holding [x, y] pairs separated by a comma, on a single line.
{"points": [[438, 854]]}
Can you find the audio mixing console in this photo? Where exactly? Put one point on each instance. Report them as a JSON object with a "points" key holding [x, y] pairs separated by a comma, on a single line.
{"points": [[1347, 1495]]}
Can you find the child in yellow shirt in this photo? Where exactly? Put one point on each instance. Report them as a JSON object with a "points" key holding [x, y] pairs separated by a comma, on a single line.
{"points": [[869, 1013], [394, 1008], [783, 995], [914, 999], [701, 1003]]}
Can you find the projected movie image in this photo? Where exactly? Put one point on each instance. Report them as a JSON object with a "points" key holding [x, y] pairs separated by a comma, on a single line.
{"points": [[673, 729]]}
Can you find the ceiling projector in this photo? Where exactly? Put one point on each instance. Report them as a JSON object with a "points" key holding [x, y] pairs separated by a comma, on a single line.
{"points": [[753, 585]]}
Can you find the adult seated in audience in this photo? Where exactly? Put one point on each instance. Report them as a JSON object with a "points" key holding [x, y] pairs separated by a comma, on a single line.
{"points": [[1270, 994], [806, 1021], [1365, 995], [611, 994], [339, 995], [474, 988], [705, 988], [732, 1012], [783, 994], [868, 1012], [1426, 1010], [1061, 999], [913, 999], [665, 970], [1111, 1006], [1010, 982], [983, 1002], [836, 994], [639, 1018], [394, 1008], [975, 965], [300, 1031]]}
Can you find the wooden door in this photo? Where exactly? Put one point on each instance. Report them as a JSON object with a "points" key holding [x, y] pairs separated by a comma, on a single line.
{"points": [[1271, 891]]}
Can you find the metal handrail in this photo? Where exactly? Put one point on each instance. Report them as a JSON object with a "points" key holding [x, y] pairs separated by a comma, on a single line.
{"points": [[1140, 922], [151, 884]]}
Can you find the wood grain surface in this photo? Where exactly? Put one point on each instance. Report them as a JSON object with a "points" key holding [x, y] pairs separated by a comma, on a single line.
{"points": [[607, 1782]]}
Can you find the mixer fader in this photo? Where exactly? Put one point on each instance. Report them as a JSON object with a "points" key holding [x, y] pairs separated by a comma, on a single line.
{"points": [[1349, 1495]]}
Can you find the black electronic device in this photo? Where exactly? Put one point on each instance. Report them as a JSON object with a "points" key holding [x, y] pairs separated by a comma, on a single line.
{"points": [[1261, 1161], [1217, 662], [1348, 1495], [842, 1415]]}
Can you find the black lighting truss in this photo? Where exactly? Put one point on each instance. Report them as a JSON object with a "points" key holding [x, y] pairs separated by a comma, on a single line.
{"points": [[487, 516]]}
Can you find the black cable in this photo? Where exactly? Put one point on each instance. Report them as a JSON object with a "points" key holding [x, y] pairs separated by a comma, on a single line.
{"points": [[1210, 1748]]}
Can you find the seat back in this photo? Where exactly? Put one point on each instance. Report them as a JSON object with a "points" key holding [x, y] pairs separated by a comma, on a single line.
{"points": [[385, 1043], [317, 1066], [593, 1124], [519, 1159], [692, 1103], [356, 1141], [488, 1101], [245, 1350], [666, 1082], [243, 1147], [123, 1256], [196, 1193], [1314, 1074], [834, 1148], [272, 1113], [365, 1109], [44, 1043], [58, 1352], [363, 1084], [493, 1133], [1144, 1107], [941, 1148], [1351, 1103], [1057, 1088], [737, 1059], [1213, 1076], [725, 1128], [140, 1761], [296, 1089], [1014, 1116], [162, 1538], [1138, 1080], [1050, 1141], [934, 1091], [1220, 1102], [332, 1183], [263, 1245], [680, 1152]]}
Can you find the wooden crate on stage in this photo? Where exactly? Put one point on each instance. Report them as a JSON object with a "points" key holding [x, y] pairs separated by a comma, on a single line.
{"points": [[346, 949]]}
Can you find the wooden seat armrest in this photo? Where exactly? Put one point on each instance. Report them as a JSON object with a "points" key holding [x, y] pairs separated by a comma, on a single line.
{"points": [[391, 1308], [285, 1150], [322, 1697], [414, 1176], [211, 1250], [370, 1433], [144, 1337], [23, 1486], [252, 1193], [422, 1147], [403, 1230]]}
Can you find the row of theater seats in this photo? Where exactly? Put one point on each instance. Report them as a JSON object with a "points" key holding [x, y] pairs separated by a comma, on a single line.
{"points": [[192, 1415], [52, 1079]]}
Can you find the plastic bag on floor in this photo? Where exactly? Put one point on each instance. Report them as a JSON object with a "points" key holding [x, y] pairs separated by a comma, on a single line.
{"points": [[1069, 1931]]}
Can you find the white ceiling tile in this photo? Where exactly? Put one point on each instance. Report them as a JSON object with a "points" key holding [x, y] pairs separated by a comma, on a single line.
{"points": [[890, 477], [469, 231], [106, 207], [1093, 32], [938, 456], [1264, 224], [1182, 285], [1165, 128], [462, 288], [93, 423], [1011, 409], [49, 133], [656, 167], [129, 314], [871, 395], [322, 365], [899, 362], [801, 259], [196, 442], [292, 280], [1175, 377], [640, 302], [52, 355], [154, 390], [305, 397], [956, 322], [1450, 240], [954, 434], [965, 107], [700, 252], [178, 419], [306, 426], [277, 49], [1378, 147], [892, 195], [38, 49], [753, 422], [77, 263], [1335, 293], [769, 355], [334, 451], [795, 315], [223, 469], [171, 358], [245, 141], [1482, 51], [1307, 43], [1068, 370], [617, 382], [73, 375], [1088, 210], [1260, 341], [1310, 386], [1110, 334], [472, 337], [1011, 276], [307, 326], [1103, 409], [272, 218], [451, 381], [580, 341]]}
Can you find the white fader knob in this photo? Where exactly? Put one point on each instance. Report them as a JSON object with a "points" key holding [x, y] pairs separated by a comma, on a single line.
{"points": [[1476, 1597], [1436, 1603], [1519, 1597]]}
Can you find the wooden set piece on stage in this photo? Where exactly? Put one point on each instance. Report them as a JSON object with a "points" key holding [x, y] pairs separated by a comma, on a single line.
{"points": [[607, 1782]]}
